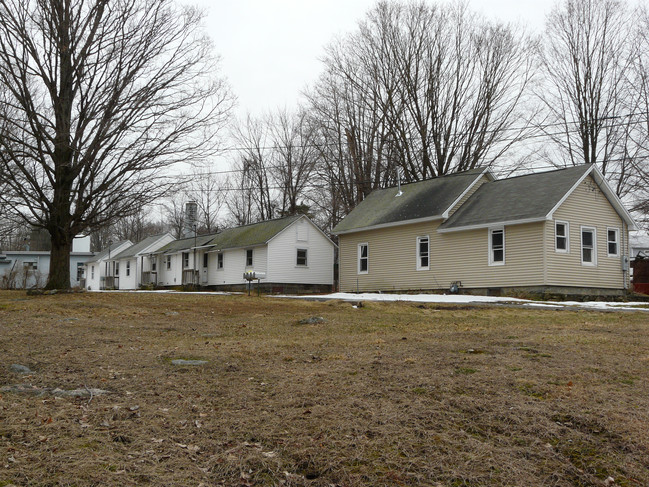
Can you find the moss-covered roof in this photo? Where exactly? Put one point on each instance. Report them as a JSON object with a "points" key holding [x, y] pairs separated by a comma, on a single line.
{"points": [[520, 198], [424, 199], [250, 235]]}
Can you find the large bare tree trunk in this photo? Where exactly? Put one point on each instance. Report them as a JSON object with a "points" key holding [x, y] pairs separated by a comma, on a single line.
{"points": [[59, 276]]}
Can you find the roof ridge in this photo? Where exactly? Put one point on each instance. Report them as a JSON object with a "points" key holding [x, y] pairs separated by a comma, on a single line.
{"points": [[443, 176], [541, 172], [262, 221]]}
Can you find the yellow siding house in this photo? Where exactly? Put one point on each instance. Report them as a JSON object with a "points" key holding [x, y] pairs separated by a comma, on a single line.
{"points": [[561, 231]]}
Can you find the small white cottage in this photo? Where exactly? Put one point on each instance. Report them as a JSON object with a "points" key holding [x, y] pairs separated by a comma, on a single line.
{"points": [[96, 269], [292, 253]]}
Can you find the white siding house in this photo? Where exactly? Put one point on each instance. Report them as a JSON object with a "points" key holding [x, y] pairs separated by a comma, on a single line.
{"points": [[180, 262], [291, 251], [95, 270], [131, 267]]}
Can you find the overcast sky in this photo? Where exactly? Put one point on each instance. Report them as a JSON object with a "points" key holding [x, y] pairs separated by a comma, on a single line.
{"points": [[270, 49]]}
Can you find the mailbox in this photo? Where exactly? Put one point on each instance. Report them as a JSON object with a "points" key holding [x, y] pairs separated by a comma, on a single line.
{"points": [[254, 275]]}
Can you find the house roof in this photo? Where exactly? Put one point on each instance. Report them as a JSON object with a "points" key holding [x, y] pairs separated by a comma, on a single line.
{"points": [[139, 247], [421, 200], [251, 235], [103, 254], [185, 244], [529, 198]]}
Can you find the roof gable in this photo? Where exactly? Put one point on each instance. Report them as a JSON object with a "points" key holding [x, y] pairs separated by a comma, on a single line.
{"points": [[421, 200], [114, 248]]}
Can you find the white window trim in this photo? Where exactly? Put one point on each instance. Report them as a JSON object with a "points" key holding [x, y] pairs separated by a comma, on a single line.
{"points": [[168, 262], [567, 237], [491, 253], [419, 266], [581, 237], [222, 261], [358, 258], [252, 258], [617, 241], [306, 257], [128, 268]]}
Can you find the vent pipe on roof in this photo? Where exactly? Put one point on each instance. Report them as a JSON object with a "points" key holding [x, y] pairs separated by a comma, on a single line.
{"points": [[399, 192]]}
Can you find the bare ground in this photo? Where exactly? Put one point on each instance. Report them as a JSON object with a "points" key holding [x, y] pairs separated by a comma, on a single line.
{"points": [[386, 394]]}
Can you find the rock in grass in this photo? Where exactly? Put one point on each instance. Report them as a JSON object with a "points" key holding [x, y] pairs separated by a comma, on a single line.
{"points": [[180, 361], [314, 320], [20, 369], [49, 391]]}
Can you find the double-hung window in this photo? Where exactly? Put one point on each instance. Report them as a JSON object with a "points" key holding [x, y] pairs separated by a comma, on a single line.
{"points": [[496, 246], [128, 267], [423, 253], [363, 258], [219, 260], [561, 237], [168, 262], [185, 260], [613, 242], [205, 259], [301, 257], [588, 246], [249, 258], [92, 272]]}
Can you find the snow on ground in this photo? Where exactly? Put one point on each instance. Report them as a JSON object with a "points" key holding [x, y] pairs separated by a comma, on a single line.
{"points": [[463, 298], [435, 298]]}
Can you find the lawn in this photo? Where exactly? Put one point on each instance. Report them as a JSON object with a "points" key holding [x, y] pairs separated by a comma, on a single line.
{"points": [[383, 394]]}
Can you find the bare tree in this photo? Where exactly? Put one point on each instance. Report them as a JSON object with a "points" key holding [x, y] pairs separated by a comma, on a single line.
{"points": [[174, 214], [419, 90], [590, 107], [207, 189], [293, 158], [637, 116], [252, 197], [103, 97]]}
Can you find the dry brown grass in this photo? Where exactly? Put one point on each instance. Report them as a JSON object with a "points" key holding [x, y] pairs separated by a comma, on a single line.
{"points": [[388, 394]]}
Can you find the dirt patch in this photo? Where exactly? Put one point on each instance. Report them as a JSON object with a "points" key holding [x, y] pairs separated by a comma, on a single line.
{"points": [[388, 394]]}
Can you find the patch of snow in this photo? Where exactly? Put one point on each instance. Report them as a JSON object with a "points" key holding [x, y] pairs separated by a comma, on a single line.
{"points": [[469, 299]]}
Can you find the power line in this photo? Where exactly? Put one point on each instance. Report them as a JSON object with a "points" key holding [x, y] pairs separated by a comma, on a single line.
{"points": [[338, 144], [244, 148]]}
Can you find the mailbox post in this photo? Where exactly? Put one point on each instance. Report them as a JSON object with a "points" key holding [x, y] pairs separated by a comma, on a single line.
{"points": [[252, 276]]}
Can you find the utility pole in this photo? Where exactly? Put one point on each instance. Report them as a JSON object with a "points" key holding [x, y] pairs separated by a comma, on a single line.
{"points": [[194, 280]]}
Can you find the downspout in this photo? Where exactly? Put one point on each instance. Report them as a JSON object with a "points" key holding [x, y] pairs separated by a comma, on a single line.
{"points": [[625, 256], [545, 253]]}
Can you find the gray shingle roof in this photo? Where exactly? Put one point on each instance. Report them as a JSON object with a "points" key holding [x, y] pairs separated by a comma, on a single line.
{"points": [[251, 235], [185, 244], [423, 199], [135, 249], [528, 197]]}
